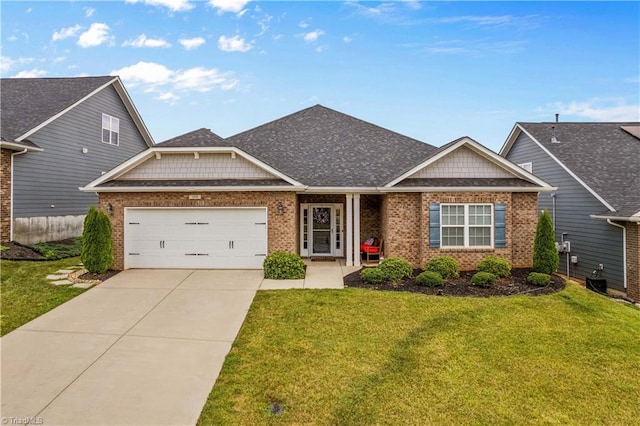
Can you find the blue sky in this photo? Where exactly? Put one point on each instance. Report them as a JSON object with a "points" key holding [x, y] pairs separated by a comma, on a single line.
{"points": [[434, 71]]}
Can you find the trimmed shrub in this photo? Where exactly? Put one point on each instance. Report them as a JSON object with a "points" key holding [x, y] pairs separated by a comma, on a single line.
{"points": [[395, 268], [545, 254], [496, 265], [97, 246], [282, 265], [371, 276], [483, 279], [429, 279], [539, 279], [446, 266]]}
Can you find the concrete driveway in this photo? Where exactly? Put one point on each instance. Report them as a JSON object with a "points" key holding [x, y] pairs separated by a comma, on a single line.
{"points": [[144, 347]]}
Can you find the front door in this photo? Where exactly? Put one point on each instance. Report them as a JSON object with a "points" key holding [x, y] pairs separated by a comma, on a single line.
{"points": [[321, 226]]}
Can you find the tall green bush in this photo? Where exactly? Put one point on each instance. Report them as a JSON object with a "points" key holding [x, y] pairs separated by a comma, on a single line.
{"points": [[97, 246], [395, 269], [545, 254]]}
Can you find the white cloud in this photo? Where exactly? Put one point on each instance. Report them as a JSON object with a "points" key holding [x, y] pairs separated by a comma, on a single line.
{"points": [[89, 11], [347, 39], [312, 35], [12, 37], [173, 5], [303, 24], [66, 33], [201, 79], [7, 63], [143, 41], [96, 35], [191, 43], [322, 48], [233, 44], [145, 73], [233, 6], [480, 20], [34, 73], [153, 77], [168, 97], [598, 110], [378, 11]]}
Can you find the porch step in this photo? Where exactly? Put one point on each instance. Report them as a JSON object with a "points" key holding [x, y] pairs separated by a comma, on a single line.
{"points": [[323, 259]]}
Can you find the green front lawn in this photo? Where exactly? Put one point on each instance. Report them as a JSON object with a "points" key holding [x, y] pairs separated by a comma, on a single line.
{"points": [[368, 357], [27, 294]]}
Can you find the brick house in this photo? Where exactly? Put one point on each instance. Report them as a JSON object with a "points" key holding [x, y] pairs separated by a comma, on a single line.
{"points": [[317, 182]]}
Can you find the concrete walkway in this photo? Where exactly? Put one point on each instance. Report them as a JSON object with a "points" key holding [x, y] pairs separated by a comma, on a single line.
{"points": [[143, 348]]}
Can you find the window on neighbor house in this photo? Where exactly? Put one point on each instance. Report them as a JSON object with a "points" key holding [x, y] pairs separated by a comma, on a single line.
{"points": [[110, 130], [527, 166], [466, 225]]}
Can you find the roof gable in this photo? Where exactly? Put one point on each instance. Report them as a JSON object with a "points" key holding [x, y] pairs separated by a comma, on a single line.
{"points": [[28, 104], [465, 163], [192, 169], [602, 157]]}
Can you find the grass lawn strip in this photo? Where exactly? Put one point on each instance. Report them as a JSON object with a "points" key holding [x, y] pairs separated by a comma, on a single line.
{"points": [[26, 293], [368, 357]]}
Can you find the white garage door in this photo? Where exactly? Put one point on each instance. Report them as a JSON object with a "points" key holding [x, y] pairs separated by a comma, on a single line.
{"points": [[233, 238]]}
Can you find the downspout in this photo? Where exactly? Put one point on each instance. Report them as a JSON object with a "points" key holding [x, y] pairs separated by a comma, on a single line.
{"points": [[553, 211], [12, 198], [624, 249]]}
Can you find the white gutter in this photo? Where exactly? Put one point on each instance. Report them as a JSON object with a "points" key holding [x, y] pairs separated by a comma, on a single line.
{"points": [[186, 188], [12, 191], [621, 218], [624, 249], [467, 189]]}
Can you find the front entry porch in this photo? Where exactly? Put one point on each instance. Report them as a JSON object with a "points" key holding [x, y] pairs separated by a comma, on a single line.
{"points": [[334, 225]]}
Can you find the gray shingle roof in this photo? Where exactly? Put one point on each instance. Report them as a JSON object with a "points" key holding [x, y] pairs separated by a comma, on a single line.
{"points": [[197, 138], [319, 146], [28, 102], [603, 155], [466, 182]]}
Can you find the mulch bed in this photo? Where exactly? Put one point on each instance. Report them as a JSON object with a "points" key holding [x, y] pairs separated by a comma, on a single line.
{"points": [[98, 277], [515, 284], [19, 252]]}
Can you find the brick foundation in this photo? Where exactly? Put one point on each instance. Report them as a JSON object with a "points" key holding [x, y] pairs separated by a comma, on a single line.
{"points": [[633, 260], [282, 233], [5, 195]]}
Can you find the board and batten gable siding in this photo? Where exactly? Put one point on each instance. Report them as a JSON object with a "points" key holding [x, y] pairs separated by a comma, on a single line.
{"points": [[593, 241], [52, 177]]}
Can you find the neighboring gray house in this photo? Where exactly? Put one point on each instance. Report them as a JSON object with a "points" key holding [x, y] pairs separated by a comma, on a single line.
{"points": [[596, 168], [57, 134]]}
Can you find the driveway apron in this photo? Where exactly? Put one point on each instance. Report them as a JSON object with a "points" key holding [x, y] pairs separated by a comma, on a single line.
{"points": [[143, 348]]}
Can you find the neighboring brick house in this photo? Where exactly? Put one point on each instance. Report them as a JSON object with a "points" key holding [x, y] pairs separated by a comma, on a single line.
{"points": [[318, 183], [57, 134], [596, 168]]}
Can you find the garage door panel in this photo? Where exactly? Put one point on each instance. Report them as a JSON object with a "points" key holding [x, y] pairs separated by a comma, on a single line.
{"points": [[195, 238]]}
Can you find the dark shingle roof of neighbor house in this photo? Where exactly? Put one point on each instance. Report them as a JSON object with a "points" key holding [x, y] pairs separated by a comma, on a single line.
{"points": [[28, 102], [318, 146], [604, 155]]}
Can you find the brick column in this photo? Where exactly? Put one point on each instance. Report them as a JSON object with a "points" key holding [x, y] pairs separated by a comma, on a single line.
{"points": [[5, 195], [633, 260]]}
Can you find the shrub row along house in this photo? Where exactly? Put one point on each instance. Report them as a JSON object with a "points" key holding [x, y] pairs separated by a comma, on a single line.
{"points": [[58, 134]]}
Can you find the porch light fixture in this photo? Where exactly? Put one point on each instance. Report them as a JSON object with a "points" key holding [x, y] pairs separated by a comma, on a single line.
{"points": [[109, 209], [280, 209]]}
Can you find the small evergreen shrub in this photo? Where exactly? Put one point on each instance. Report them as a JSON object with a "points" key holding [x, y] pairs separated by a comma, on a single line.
{"points": [[496, 265], [446, 266], [97, 246], [282, 265], [483, 279], [545, 255], [539, 279], [429, 279], [371, 276], [395, 268]]}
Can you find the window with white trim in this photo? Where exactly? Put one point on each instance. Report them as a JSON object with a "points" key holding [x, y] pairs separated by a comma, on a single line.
{"points": [[466, 225], [527, 166], [110, 129]]}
